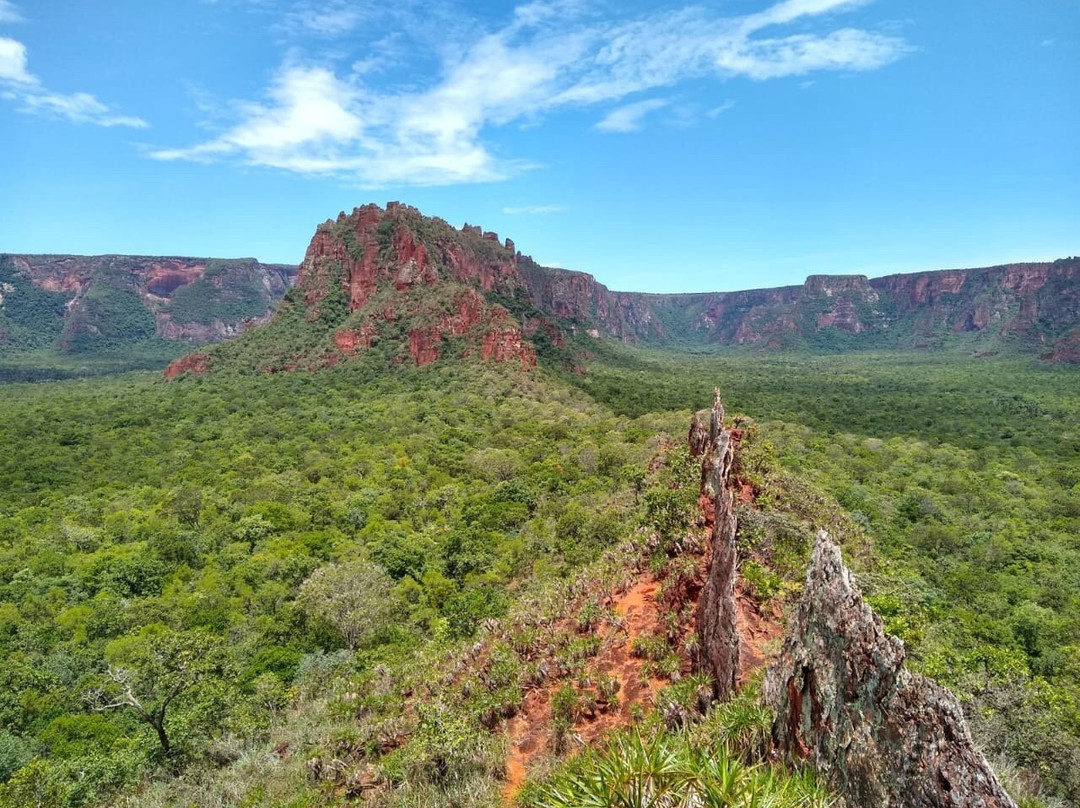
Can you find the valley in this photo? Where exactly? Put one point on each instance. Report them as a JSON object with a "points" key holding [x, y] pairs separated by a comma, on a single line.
{"points": [[136, 509], [433, 533]]}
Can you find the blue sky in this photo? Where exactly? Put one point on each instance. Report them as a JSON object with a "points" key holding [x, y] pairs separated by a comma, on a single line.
{"points": [[662, 147]]}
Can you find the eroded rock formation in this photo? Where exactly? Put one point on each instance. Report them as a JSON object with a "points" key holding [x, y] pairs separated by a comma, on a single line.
{"points": [[881, 735], [396, 265], [716, 627], [373, 272], [97, 298]]}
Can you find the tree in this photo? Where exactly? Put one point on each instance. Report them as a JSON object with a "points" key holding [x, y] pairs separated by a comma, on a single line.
{"points": [[149, 673], [355, 598]]}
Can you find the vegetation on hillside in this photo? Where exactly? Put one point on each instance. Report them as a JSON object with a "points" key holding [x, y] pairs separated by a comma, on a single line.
{"points": [[180, 621], [229, 291]]}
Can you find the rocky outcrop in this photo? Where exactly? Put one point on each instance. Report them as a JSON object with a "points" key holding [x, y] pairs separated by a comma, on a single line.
{"points": [[879, 734], [1027, 304], [412, 286], [194, 364], [183, 299], [371, 248], [716, 612]]}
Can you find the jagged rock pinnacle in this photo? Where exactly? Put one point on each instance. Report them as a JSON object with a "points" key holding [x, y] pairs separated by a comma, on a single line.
{"points": [[881, 735], [716, 610]]}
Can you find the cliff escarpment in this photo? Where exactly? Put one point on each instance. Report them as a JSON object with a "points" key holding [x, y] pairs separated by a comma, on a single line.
{"points": [[81, 303], [418, 289], [1031, 307]]}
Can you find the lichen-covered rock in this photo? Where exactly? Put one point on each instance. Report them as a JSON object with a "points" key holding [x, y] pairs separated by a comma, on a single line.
{"points": [[880, 735], [716, 627]]}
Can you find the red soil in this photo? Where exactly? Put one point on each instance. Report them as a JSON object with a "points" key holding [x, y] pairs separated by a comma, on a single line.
{"points": [[530, 730], [759, 625]]}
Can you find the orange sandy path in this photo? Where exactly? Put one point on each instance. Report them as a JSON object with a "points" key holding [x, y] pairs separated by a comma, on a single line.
{"points": [[528, 731]]}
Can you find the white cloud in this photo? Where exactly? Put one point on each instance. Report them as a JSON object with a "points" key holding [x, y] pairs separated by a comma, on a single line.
{"points": [[630, 117], [9, 12], [78, 108], [720, 109], [24, 88], [551, 55], [13, 62], [533, 210], [306, 117], [326, 19]]}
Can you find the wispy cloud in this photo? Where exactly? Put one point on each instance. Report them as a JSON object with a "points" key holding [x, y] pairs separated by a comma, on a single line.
{"points": [[9, 12], [19, 85], [630, 117], [720, 109], [327, 19], [533, 210], [551, 55], [78, 108]]}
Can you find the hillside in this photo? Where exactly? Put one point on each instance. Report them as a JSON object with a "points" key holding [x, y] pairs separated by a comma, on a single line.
{"points": [[414, 288], [539, 552], [479, 559], [87, 307]]}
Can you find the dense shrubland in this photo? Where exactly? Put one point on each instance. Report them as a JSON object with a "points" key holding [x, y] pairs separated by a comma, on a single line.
{"points": [[145, 523], [180, 624]]}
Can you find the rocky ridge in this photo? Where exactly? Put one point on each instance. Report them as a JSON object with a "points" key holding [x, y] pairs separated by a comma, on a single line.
{"points": [[716, 610], [880, 734]]}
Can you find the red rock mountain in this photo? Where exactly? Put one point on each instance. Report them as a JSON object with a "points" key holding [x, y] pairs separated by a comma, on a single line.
{"points": [[78, 303], [417, 289]]}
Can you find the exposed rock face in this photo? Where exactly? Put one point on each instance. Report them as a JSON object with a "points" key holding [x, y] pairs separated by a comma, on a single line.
{"points": [[1066, 349], [371, 247], [413, 286], [1031, 304], [185, 299], [716, 628], [881, 735], [195, 364]]}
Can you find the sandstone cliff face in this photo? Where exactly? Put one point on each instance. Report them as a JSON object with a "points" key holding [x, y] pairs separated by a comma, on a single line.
{"points": [[411, 287], [1026, 305], [396, 265], [881, 735], [716, 625], [579, 301], [372, 247], [185, 299]]}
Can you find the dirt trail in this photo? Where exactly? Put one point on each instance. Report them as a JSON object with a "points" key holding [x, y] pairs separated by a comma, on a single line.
{"points": [[759, 626], [529, 731]]}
